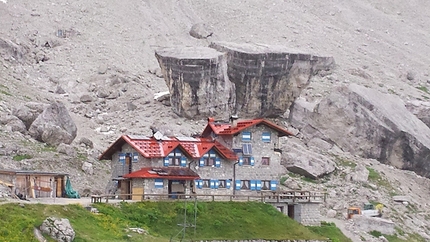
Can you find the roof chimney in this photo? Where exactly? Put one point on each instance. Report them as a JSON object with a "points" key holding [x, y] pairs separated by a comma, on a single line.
{"points": [[211, 120], [233, 120]]}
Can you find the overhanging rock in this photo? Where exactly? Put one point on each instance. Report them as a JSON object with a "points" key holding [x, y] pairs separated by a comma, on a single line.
{"points": [[268, 78], [198, 82], [247, 79]]}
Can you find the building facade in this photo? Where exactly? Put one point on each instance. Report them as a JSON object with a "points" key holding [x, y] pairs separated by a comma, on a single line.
{"points": [[229, 158]]}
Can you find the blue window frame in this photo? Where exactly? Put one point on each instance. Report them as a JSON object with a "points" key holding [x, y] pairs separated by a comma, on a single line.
{"points": [[211, 158], [175, 158], [247, 149]]}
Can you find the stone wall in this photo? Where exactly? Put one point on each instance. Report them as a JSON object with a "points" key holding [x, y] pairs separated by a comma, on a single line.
{"points": [[368, 224], [307, 214]]}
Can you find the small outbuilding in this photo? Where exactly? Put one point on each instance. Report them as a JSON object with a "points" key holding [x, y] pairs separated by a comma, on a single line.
{"points": [[34, 184]]}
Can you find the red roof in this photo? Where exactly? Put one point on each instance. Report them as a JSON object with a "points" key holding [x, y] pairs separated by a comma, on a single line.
{"points": [[150, 147], [172, 173], [223, 128]]}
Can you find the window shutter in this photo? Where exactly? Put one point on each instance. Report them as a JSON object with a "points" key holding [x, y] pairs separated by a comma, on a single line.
{"points": [[135, 157], [216, 184], [218, 162], [212, 184], [246, 136], [252, 161], [240, 161], [258, 185], [183, 161], [237, 185], [122, 158], [273, 185], [199, 184], [228, 183], [159, 183], [166, 161], [202, 162], [253, 185], [266, 137]]}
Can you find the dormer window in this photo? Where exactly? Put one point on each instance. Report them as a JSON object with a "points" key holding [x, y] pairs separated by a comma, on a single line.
{"points": [[246, 136]]}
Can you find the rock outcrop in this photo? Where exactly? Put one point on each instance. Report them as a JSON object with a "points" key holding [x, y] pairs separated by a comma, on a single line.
{"points": [[268, 78], [197, 81], [246, 79], [54, 125], [368, 123], [59, 229], [302, 160]]}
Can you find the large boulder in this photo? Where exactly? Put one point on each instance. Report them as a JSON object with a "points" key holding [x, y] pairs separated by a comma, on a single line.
{"points": [[304, 161], [54, 125], [370, 124], [420, 109], [59, 229], [28, 112], [197, 81], [268, 78]]}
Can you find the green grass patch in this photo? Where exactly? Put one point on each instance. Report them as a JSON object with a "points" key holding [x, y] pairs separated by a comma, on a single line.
{"points": [[21, 157], [377, 179], [330, 231], [214, 221], [4, 90], [344, 162], [423, 88]]}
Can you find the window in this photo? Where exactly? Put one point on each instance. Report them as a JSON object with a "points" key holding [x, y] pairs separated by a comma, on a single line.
{"points": [[222, 184], [244, 185], [265, 185], [246, 161], [246, 136], [174, 161], [265, 161], [211, 158], [206, 183], [209, 161], [175, 158], [247, 149], [266, 137]]}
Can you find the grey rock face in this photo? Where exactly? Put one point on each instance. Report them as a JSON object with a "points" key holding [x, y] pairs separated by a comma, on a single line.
{"points": [[360, 174], [246, 79], [87, 142], [373, 125], [28, 112], [301, 160], [200, 31], [421, 110], [197, 81], [66, 149], [268, 78], [59, 229], [54, 126]]}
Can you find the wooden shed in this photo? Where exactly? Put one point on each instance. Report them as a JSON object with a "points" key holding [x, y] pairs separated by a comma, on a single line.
{"points": [[34, 184]]}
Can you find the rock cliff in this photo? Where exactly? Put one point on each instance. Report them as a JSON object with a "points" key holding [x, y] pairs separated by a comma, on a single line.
{"points": [[247, 79], [197, 81], [268, 78], [368, 123]]}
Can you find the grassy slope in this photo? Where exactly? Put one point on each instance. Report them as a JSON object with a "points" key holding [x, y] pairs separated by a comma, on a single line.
{"points": [[215, 220]]}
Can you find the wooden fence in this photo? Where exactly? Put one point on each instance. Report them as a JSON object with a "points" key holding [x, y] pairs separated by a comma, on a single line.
{"points": [[269, 197]]}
